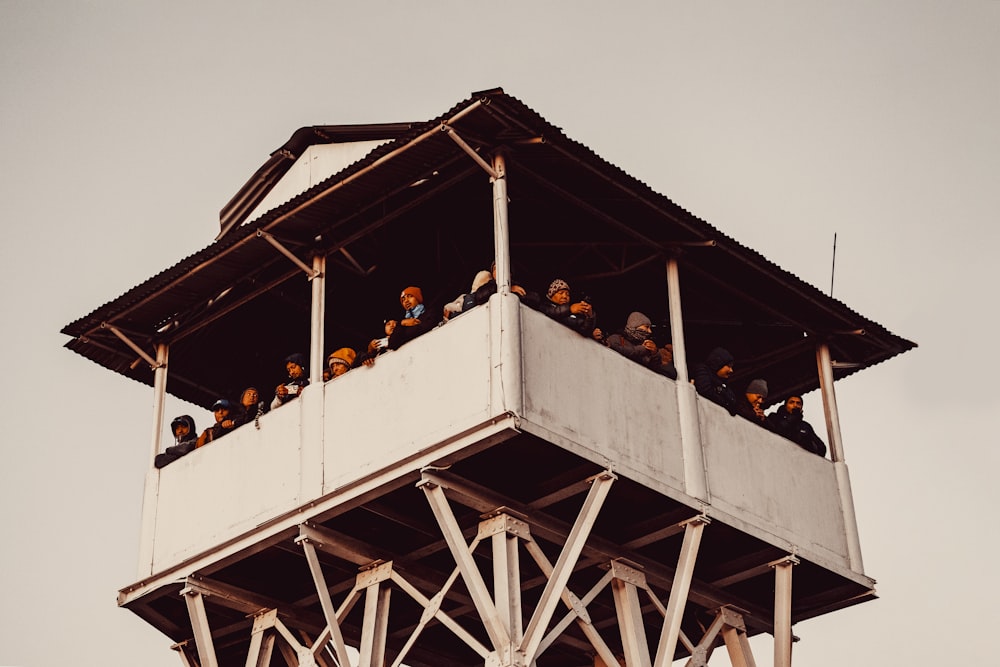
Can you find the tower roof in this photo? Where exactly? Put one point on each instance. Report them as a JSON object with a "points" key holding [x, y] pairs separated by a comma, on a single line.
{"points": [[417, 209]]}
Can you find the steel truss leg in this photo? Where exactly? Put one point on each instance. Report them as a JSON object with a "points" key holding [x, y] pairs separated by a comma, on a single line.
{"points": [[783, 610], [679, 591], [262, 639], [561, 571], [199, 626], [577, 610], [187, 653], [375, 623], [329, 613], [504, 531], [625, 586], [502, 617], [730, 624], [495, 629]]}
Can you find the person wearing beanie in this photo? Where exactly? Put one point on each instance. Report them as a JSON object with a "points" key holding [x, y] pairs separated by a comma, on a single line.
{"points": [[710, 376], [184, 441], [579, 316], [415, 322], [339, 362], [787, 422], [752, 405], [295, 366], [636, 342], [222, 409]]}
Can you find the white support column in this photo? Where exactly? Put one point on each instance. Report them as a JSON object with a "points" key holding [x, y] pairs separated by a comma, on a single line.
{"points": [[318, 319], [695, 479], [507, 577], [630, 624], [556, 584], [738, 647], [825, 367], [262, 639], [676, 320], [374, 625], [501, 232], [783, 611], [200, 628], [679, 589], [159, 397]]}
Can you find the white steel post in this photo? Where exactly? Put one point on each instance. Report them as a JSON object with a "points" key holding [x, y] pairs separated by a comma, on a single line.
{"points": [[505, 348], [501, 232], [633, 632], [507, 583], [676, 321], [159, 396], [695, 482], [783, 612], [316, 342], [825, 366], [374, 626]]}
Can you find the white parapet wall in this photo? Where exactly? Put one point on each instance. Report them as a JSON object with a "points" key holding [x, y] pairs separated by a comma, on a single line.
{"points": [[773, 484], [437, 396], [593, 401], [410, 403]]}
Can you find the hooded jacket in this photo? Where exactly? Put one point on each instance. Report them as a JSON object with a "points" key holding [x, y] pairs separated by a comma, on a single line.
{"points": [[180, 446], [709, 384], [629, 343]]}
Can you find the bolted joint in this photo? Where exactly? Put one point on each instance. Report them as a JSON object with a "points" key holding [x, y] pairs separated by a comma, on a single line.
{"points": [[628, 574]]}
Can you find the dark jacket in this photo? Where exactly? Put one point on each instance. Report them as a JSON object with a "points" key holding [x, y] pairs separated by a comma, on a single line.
{"points": [[402, 335], [710, 385], [744, 408], [791, 425], [251, 414], [582, 324], [622, 344], [181, 446]]}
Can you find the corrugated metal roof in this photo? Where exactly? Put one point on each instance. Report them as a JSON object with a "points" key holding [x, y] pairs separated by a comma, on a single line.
{"points": [[573, 215]]}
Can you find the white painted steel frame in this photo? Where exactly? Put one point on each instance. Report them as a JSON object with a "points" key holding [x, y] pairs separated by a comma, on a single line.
{"points": [[695, 475], [505, 532], [824, 364]]}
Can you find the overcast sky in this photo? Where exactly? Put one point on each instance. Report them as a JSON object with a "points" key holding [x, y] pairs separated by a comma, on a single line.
{"points": [[126, 125]]}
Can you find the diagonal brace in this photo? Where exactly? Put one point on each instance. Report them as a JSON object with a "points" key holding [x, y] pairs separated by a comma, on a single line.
{"points": [[309, 271], [565, 564], [470, 572]]}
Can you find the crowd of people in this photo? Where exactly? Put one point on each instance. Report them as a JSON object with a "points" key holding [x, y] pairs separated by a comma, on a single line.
{"points": [[634, 341]]}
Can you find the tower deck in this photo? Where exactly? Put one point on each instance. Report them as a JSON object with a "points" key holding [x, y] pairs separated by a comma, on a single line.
{"points": [[345, 467]]}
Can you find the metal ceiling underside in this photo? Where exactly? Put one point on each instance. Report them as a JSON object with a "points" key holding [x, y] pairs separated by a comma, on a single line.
{"points": [[418, 210]]}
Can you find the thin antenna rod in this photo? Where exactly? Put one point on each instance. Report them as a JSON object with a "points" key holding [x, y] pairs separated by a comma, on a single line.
{"points": [[833, 263]]}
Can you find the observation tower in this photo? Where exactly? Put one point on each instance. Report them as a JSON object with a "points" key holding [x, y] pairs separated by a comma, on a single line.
{"points": [[500, 491]]}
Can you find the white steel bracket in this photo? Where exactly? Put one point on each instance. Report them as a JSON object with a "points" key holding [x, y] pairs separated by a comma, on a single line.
{"points": [[487, 167], [153, 363], [309, 271]]}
